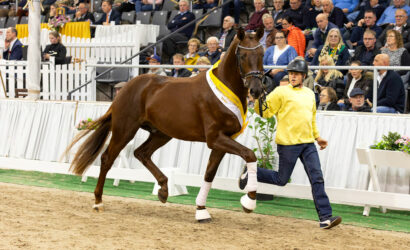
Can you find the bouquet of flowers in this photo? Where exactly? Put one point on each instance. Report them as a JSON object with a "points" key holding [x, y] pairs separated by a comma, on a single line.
{"points": [[85, 124], [58, 22], [393, 142]]}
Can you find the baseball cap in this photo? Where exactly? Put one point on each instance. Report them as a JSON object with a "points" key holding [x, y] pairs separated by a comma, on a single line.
{"points": [[356, 91], [154, 57]]}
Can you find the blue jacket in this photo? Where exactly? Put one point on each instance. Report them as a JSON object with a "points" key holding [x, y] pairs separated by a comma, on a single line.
{"points": [[320, 39], [284, 59], [342, 60], [115, 16], [16, 53], [346, 4], [180, 20], [357, 33], [391, 91], [389, 13]]}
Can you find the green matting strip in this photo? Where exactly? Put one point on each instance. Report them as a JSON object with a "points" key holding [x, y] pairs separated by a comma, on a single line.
{"points": [[285, 207]]}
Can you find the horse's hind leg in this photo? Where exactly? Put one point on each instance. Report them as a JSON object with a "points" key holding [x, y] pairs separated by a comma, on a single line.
{"points": [[144, 152], [202, 214]]}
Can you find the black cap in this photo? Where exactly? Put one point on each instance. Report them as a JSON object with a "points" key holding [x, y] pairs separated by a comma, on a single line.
{"points": [[298, 65], [356, 91]]}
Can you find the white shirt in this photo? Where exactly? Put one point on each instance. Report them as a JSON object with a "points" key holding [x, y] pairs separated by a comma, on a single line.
{"points": [[12, 44], [351, 87], [278, 52], [380, 78]]}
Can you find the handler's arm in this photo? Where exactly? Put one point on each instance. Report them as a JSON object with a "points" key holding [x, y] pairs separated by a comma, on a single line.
{"points": [[273, 102]]}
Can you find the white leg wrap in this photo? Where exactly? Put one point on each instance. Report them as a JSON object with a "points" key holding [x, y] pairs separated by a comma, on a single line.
{"points": [[248, 203], [98, 205], [203, 193], [202, 214], [252, 184]]}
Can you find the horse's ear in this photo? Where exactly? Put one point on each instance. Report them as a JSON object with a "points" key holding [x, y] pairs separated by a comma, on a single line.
{"points": [[240, 33], [259, 33]]}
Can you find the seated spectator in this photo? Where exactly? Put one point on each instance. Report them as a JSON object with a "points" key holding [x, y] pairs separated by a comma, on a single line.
{"points": [[227, 33], [389, 13], [124, 5], [347, 6], [333, 47], [13, 48], [277, 55], [256, 19], [369, 22], [329, 78], [155, 60], [401, 26], [366, 5], [192, 56], [336, 15], [184, 16], [51, 13], [205, 4], [67, 6], [390, 93], [278, 11], [328, 100], [83, 15], [356, 78], [356, 102], [55, 49], [212, 52], [268, 38], [296, 38], [201, 61], [320, 35], [146, 5], [399, 56], [178, 59], [295, 12], [109, 15], [365, 53], [309, 15]]}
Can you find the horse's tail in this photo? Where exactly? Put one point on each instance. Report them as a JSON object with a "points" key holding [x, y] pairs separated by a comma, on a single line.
{"points": [[92, 146]]}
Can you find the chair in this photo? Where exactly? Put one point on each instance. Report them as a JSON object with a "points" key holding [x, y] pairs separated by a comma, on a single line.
{"points": [[12, 21], [128, 17], [24, 20], [67, 59], [25, 51], [2, 22], [4, 7], [213, 20], [97, 16], [198, 13], [97, 6], [113, 77], [144, 17], [170, 5], [160, 17]]}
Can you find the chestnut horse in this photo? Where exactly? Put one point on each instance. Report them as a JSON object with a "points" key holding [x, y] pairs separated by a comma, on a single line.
{"points": [[182, 108]]}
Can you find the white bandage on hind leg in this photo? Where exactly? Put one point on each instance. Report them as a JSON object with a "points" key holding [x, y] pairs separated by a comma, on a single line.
{"points": [[252, 184], [203, 193]]}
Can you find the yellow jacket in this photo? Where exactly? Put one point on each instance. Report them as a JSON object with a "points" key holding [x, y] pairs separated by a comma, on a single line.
{"points": [[295, 110], [191, 60]]}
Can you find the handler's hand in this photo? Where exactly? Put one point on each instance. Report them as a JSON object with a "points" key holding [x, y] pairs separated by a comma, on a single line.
{"points": [[322, 143]]}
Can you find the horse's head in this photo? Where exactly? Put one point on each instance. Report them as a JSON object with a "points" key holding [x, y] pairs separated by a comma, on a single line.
{"points": [[249, 55]]}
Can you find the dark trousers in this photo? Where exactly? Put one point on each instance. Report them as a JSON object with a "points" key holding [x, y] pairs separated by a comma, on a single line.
{"points": [[169, 46], [288, 156]]}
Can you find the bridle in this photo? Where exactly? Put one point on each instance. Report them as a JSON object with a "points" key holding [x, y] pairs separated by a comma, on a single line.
{"points": [[258, 74]]}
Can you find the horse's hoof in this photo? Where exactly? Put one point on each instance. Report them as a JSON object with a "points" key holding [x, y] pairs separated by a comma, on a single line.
{"points": [[248, 204], [162, 195], [202, 216], [98, 207]]}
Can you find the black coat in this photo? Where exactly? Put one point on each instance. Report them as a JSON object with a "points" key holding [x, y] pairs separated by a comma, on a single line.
{"points": [[337, 17], [115, 16], [365, 83], [359, 55], [86, 17], [391, 91], [180, 20], [181, 73], [58, 51]]}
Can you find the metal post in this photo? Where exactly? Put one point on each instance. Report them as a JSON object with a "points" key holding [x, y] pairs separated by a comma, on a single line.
{"points": [[375, 90]]}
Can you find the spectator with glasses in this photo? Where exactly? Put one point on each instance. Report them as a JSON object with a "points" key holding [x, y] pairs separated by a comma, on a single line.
{"points": [[328, 100], [365, 53], [296, 38], [368, 22], [401, 26], [334, 47], [389, 14]]}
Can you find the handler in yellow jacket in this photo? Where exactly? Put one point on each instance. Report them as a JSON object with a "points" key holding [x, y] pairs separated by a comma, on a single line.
{"points": [[295, 110]]}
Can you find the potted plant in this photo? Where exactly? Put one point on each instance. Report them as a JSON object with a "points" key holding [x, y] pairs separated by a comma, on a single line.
{"points": [[264, 135]]}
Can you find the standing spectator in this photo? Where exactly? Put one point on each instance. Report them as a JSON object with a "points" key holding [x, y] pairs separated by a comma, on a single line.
{"points": [[83, 15], [296, 38], [347, 6], [328, 100], [178, 59], [227, 33], [192, 56], [184, 16], [256, 19], [320, 35], [399, 56], [401, 26], [278, 11], [369, 22], [329, 78], [55, 49], [310, 14], [155, 60], [201, 61], [356, 102], [212, 52], [146, 5], [333, 47], [296, 13], [268, 38], [279, 54], [365, 53], [109, 14], [336, 15], [389, 13], [13, 48], [390, 93]]}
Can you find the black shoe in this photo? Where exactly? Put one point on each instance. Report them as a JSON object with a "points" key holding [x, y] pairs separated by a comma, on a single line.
{"points": [[243, 179], [331, 222]]}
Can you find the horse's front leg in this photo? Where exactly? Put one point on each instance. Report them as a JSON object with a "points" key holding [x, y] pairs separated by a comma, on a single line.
{"points": [[202, 214], [224, 143]]}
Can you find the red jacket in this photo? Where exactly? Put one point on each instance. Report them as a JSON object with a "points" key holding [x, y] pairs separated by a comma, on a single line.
{"points": [[297, 40]]}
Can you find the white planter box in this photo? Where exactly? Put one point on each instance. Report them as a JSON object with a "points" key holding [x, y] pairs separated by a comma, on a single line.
{"points": [[389, 158]]}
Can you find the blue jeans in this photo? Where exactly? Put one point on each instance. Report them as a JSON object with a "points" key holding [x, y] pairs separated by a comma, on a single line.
{"points": [[288, 156], [385, 109]]}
